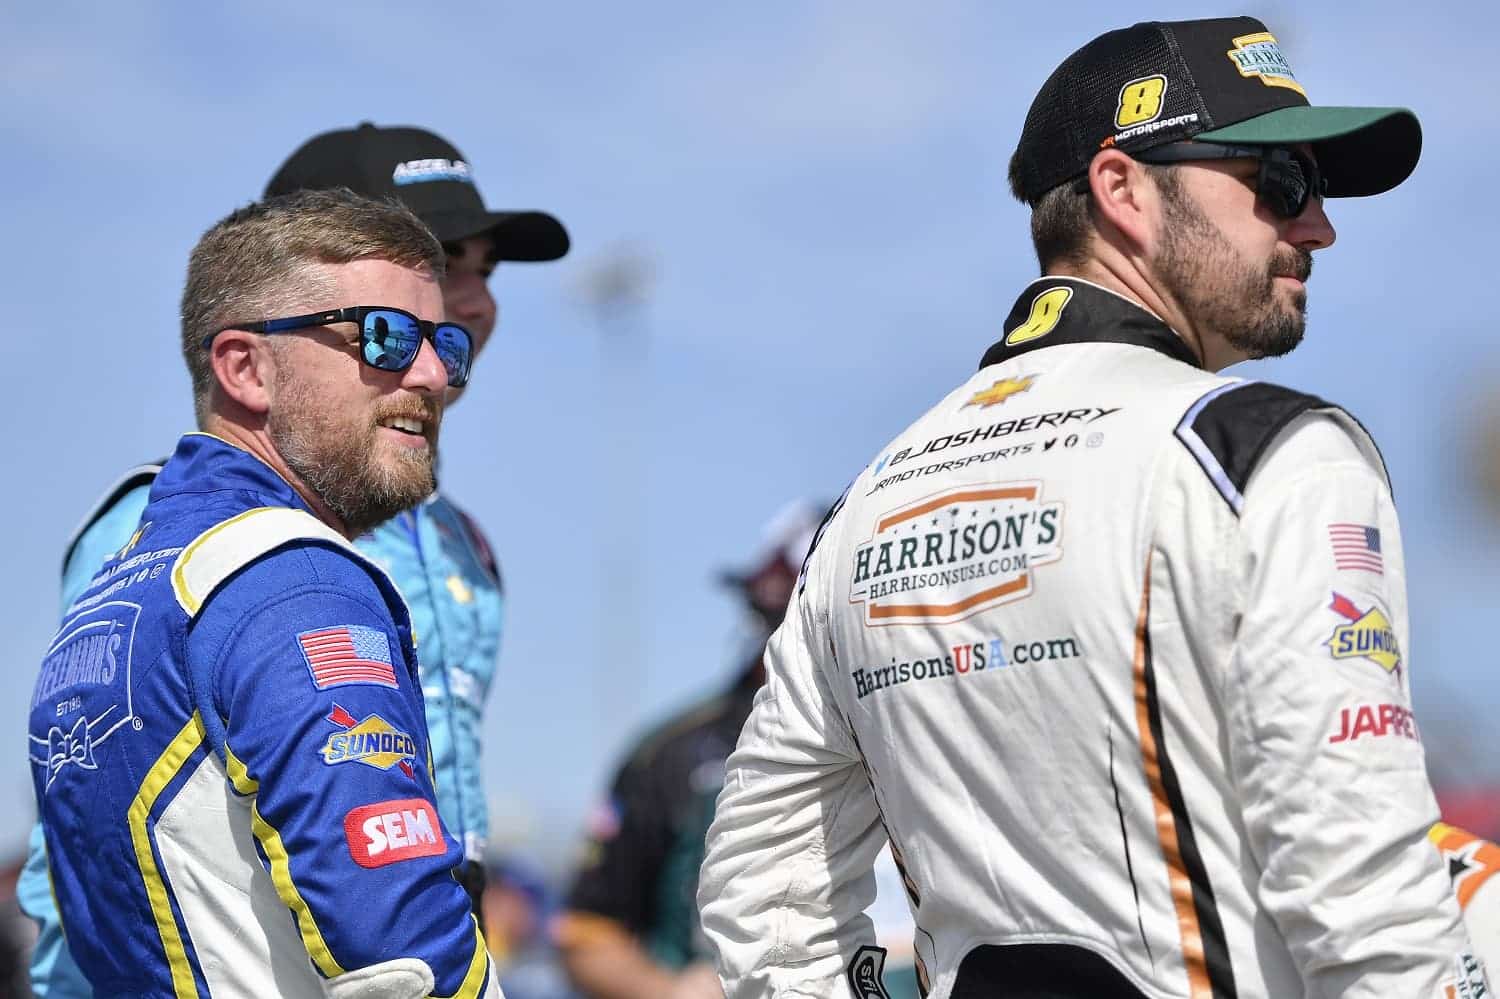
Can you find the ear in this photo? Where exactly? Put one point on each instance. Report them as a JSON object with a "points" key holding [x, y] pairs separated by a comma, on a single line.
{"points": [[1125, 199], [244, 369]]}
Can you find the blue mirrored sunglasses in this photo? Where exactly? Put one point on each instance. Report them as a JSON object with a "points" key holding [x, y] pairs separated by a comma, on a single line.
{"points": [[389, 338]]}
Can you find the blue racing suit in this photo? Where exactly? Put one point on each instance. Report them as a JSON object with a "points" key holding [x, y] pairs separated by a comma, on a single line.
{"points": [[229, 725], [443, 566]]}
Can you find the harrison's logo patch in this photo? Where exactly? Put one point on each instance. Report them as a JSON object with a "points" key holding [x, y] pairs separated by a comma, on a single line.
{"points": [[1259, 56], [956, 553], [1368, 635]]}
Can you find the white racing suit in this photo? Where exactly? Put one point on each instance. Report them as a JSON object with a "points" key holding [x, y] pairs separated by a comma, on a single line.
{"points": [[1113, 650]]}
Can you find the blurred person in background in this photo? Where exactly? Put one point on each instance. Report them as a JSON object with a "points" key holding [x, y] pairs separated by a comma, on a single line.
{"points": [[437, 555], [629, 928], [519, 905], [1111, 647], [16, 934], [227, 740]]}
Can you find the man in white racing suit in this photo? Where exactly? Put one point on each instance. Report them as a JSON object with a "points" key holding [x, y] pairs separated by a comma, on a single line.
{"points": [[1109, 646]]}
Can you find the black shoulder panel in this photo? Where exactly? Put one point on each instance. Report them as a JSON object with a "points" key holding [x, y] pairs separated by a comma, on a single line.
{"points": [[141, 475], [1229, 429]]}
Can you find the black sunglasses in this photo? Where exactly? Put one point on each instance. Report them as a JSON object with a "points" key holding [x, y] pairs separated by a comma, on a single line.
{"points": [[1288, 178], [389, 338]]}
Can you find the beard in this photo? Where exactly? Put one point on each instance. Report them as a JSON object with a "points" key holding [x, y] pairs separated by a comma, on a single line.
{"points": [[1223, 293], [342, 465]]}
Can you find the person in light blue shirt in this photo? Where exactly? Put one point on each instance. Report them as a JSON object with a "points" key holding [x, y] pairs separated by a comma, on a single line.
{"points": [[435, 552]]}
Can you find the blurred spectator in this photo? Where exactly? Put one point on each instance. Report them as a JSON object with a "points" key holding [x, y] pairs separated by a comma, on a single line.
{"points": [[16, 935], [518, 904], [630, 927]]}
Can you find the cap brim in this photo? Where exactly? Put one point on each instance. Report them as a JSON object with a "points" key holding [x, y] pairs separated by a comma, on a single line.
{"points": [[1362, 151], [526, 236]]}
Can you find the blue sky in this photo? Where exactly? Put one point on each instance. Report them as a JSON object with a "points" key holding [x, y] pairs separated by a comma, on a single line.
{"points": [[819, 191]]}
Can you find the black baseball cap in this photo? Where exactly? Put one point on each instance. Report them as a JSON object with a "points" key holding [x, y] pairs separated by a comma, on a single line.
{"points": [[426, 173], [1219, 80]]}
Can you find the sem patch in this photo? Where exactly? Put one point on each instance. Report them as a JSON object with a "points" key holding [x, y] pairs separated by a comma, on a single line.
{"points": [[955, 553], [391, 831]]}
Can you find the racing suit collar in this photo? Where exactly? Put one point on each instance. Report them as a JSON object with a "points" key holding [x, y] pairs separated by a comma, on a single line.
{"points": [[204, 463], [1054, 310]]}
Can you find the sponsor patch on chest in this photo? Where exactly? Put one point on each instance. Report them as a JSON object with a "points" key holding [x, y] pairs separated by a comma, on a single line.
{"points": [[955, 553]]}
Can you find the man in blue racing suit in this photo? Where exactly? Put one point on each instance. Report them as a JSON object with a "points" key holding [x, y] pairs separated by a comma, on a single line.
{"points": [[227, 730], [435, 553]]}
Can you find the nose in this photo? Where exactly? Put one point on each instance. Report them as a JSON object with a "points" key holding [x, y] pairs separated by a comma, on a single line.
{"points": [[1311, 230], [426, 374], [467, 301]]}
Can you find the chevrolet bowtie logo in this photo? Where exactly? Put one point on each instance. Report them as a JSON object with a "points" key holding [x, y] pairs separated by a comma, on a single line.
{"points": [[1000, 391]]}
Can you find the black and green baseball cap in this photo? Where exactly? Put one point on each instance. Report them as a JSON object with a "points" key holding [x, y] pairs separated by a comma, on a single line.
{"points": [[1220, 80], [426, 173]]}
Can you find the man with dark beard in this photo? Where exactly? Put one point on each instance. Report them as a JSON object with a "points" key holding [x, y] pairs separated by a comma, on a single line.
{"points": [[226, 737], [1113, 648]]}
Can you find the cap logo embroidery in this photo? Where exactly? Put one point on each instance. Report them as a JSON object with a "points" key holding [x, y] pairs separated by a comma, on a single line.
{"points": [[1141, 101], [1046, 311], [421, 171], [1258, 55]]}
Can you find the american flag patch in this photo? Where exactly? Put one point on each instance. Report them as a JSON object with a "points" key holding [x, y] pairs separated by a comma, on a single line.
{"points": [[1356, 546], [348, 653]]}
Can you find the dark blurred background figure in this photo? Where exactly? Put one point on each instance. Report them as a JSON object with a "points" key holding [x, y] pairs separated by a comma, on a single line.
{"points": [[16, 934], [518, 904], [629, 928]]}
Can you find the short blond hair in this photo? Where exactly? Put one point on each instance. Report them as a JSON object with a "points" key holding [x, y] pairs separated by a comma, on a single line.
{"points": [[259, 262]]}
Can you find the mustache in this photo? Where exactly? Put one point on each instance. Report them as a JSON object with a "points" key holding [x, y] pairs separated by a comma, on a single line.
{"points": [[426, 410], [1297, 263]]}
